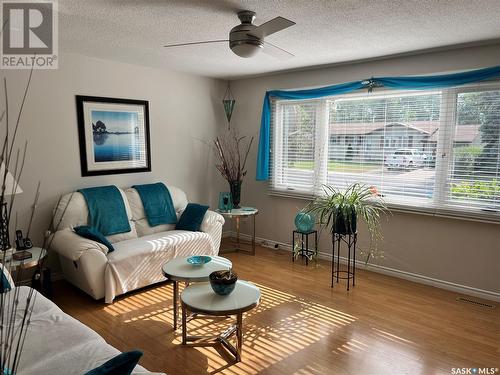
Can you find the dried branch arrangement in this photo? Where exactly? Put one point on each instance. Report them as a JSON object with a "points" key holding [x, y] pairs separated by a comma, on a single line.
{"points": [[16, 305], [15, 313], [232, 152]]}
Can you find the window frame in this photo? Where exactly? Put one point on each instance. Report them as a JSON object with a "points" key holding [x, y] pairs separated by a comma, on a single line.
{"points": [[440, 204]]}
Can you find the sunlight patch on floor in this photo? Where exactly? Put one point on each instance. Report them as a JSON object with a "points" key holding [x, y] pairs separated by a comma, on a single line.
{"points": [[263, 345]]}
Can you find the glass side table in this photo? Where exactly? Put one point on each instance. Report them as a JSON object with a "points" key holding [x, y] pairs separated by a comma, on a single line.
{"points": [[237, 214], [302, 249], [37, 256]]}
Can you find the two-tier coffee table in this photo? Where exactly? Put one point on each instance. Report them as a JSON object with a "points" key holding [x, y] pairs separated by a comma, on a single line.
{"points": [[179, 270], [201, 299]]}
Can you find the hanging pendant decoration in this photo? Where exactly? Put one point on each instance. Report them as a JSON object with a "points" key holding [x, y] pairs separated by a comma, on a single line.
{"points": [[228, 103]]}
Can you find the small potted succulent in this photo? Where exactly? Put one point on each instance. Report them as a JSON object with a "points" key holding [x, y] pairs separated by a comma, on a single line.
{"points": [[339, 210]]}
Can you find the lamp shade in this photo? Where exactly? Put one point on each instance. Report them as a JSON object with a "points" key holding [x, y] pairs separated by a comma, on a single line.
{"points": [[11, 186]]}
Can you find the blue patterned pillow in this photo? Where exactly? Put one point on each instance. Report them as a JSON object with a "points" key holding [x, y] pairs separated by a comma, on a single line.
{"points": [[122, 364]]}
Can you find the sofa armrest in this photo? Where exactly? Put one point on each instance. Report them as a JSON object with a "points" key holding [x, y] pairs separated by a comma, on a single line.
{"points": [[212, 225], [70, 245]]}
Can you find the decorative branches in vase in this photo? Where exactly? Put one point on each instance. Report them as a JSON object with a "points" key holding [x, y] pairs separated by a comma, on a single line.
{"points": [[232, 152], [16, 303]]}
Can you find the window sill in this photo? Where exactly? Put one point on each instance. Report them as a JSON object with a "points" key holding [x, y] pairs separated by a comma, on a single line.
{"points": [[490, 218]]}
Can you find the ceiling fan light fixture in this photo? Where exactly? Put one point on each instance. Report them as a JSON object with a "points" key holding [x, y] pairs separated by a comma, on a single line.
{"points": [[246, 48]]}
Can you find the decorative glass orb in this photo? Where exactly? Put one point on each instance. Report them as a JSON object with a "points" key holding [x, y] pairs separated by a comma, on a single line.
{"points": [[304, 222]]}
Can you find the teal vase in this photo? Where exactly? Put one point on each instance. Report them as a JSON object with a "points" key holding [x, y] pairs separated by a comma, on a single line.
{"points": [[304, 222]]}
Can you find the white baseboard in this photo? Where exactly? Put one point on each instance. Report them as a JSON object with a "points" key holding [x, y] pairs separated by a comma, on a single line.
{"points": [[457, 288]]}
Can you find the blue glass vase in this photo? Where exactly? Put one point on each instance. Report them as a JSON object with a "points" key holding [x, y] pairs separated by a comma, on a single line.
{"points": [[304, 222]]}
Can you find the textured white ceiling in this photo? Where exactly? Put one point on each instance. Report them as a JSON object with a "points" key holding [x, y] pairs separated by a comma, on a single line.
{"points": [[326, 31]]}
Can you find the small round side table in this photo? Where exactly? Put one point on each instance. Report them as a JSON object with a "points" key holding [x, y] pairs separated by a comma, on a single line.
{"points": [[237, 214], [38, 254], [179, 270]]}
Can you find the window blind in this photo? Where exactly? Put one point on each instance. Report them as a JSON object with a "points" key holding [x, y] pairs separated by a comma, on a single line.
{"points": [[437, 151], [473, 179]]}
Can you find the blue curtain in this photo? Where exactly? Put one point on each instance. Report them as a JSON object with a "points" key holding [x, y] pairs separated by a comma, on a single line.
{"points": [[402, 83]]}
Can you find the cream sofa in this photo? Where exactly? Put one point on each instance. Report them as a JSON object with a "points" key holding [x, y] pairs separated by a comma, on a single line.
{"points": [[58, 344], [139, 254]]}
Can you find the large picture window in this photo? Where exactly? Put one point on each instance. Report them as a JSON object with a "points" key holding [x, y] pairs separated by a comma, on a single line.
{"points": [[436, 151]]}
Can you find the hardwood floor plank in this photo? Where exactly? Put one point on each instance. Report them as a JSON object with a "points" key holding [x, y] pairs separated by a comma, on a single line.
{"points": [[383, 325]]}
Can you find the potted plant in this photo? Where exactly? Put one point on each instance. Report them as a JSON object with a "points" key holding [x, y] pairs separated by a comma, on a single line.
{"points": [[339, 211]]}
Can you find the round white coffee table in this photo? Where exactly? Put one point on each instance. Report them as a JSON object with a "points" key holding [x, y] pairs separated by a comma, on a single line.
{"points": [[201, 299], [179, 270]]}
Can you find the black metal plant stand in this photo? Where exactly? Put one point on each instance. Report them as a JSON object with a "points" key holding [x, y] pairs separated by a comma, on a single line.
{"points": [[304, 251], [350, 241]]}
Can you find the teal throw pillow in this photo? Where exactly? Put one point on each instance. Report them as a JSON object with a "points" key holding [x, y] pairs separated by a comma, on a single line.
{"points": [[93, 234], [5, 280], [122, 364], [192, 217]]}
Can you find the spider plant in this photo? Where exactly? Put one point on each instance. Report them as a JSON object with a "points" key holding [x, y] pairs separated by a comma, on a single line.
{"points": [[339, 210]]}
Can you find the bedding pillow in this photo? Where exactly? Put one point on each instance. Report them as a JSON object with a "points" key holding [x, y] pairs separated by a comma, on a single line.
{"points": [[122, 364], [6, 282], [93, 234], [192, 217]]}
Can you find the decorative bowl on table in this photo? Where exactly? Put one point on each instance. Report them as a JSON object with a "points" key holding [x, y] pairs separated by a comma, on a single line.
{"points": [[223, 282], [199, 260]]}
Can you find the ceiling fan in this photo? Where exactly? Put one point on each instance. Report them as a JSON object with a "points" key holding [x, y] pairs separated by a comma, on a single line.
{"points": [[247, 39]]}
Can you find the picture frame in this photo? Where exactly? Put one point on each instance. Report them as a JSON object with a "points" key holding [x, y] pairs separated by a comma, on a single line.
{"points": [[113, 135], [225, 202]]}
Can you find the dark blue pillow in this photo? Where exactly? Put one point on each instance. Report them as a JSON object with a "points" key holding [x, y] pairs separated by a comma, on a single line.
{"points": [[122, 364], [192, 217], [93, 234], [4, 281]]}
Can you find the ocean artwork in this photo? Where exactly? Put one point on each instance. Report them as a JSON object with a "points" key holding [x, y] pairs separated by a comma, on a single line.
{"points": [[116, 136], [113, 135]]}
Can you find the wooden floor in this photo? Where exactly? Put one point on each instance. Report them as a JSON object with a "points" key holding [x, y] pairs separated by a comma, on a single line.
{"points": [[302, 326]]}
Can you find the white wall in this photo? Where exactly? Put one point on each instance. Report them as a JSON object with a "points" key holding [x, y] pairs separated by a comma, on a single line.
{"points": [[455, 251], [184, 111]]}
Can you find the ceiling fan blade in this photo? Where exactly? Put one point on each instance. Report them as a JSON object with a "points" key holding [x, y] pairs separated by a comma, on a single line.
{"points": [[274, 50], [190, 44], [271, 27]]}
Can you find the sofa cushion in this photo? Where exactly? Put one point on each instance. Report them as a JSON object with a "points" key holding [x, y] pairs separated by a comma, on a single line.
{"points": [[72, 211], [179, 200], [192, 217], [136, 263]]}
